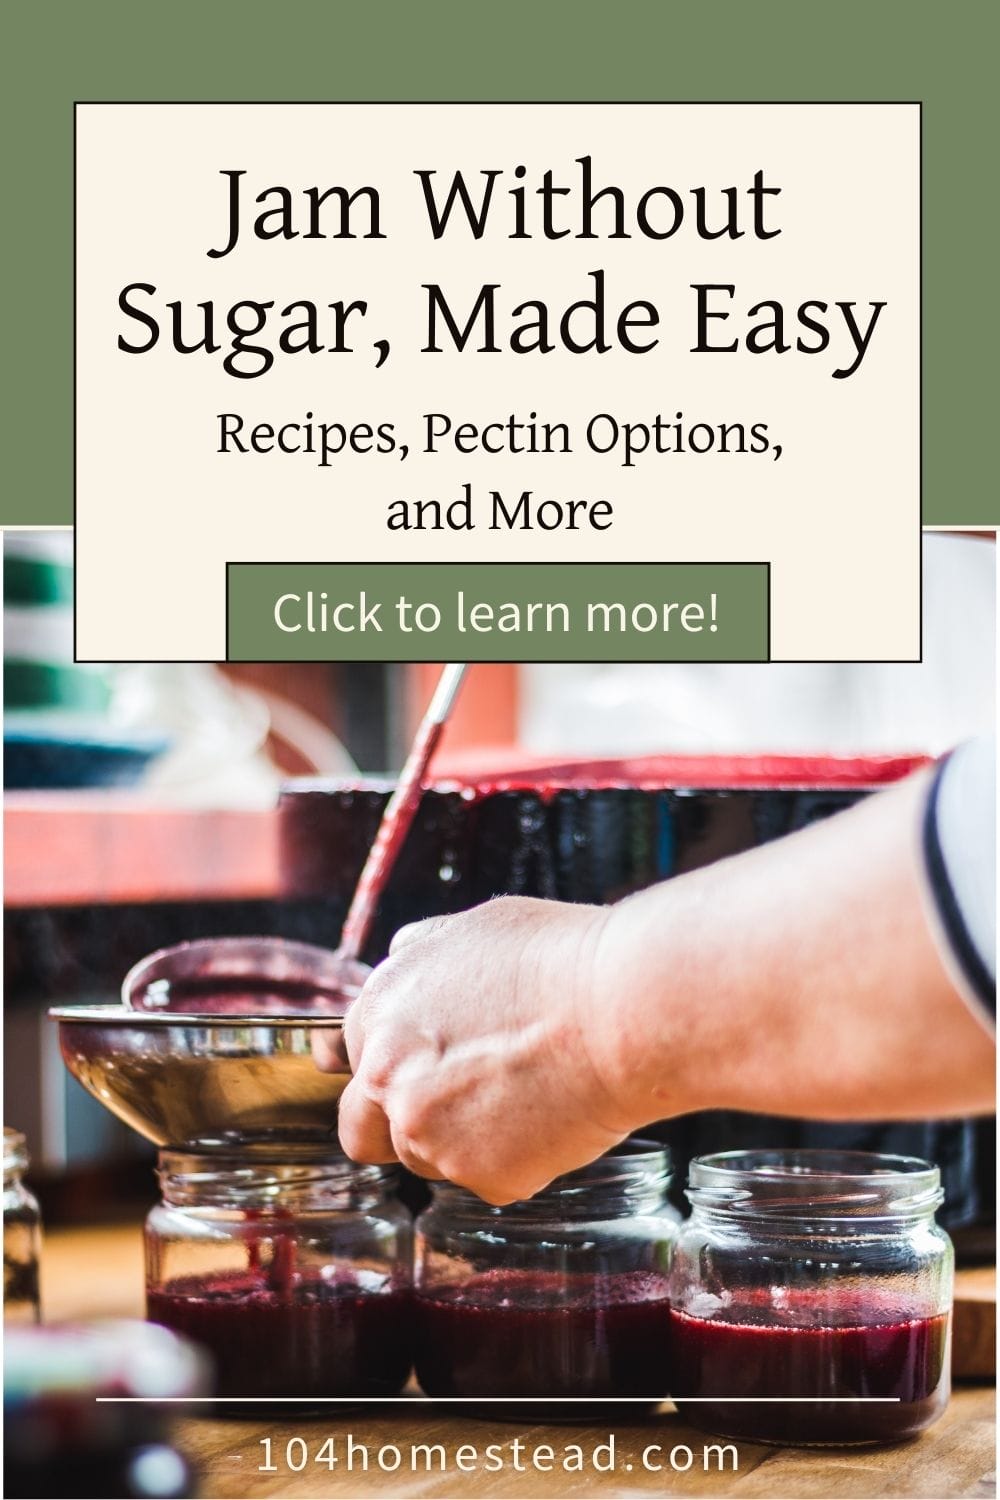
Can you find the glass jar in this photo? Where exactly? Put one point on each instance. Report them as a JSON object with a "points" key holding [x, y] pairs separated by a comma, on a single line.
{"points": [[22, 1235], [292, 1270], [811, 1296], [558, 1298]]}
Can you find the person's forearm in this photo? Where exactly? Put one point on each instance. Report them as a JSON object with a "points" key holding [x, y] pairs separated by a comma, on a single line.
{"points": [[506, 1045], [798, 979]]}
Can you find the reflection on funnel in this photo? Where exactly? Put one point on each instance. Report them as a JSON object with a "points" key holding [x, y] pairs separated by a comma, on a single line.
{"points": [[244, 976], [216, 1043]]}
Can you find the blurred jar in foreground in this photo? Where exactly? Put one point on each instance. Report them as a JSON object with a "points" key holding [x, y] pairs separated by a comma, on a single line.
{"points": [[561, 1299], [22, 1235], [60, 1439], [816, 1275]]}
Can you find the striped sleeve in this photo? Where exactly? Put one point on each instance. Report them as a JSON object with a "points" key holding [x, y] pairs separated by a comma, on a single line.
{"points": [[959, 849]]}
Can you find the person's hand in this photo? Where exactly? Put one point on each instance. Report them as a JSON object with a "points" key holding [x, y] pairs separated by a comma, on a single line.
{"points": [[475, 1050], [517, 1041]]}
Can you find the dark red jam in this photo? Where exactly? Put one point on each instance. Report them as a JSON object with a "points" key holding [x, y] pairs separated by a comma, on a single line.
{"points": [[905, 1360], [310, 1338], [511, 1333]]}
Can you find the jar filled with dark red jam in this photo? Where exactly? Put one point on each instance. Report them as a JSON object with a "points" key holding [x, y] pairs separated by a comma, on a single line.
{"points": [[291, 1269], [811, 1296], [555, 1307]]}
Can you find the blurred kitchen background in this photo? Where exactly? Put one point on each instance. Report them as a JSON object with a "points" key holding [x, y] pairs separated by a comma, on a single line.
{"points": [[142, 809]]}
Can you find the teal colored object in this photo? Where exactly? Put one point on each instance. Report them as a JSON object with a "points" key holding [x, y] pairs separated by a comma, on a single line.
{"points": [[47, 757], [43, 684], [36, 580]]}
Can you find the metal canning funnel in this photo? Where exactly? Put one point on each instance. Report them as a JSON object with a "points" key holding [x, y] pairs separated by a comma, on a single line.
{"points": [[223, 1042]]}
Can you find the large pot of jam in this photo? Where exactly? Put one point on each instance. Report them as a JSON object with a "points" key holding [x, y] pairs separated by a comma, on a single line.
{"points": [[596, 831]]}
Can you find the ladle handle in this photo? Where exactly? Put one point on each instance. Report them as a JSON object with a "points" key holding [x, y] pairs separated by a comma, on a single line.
{"points": [[399, 813], [440, 707]]}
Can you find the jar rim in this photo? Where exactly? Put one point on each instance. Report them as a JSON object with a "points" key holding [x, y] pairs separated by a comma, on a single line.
{"points": [[267, 1169], [15, 1150], [811, 1183], [614, 1168]]}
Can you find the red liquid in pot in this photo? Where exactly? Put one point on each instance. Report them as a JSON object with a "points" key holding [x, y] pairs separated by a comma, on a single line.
{"points": [[510, 1333], [307, 1338], [906, 1359]]}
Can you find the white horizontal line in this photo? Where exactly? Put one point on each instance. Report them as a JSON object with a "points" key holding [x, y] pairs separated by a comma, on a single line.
{"points": [[480, 1400]]}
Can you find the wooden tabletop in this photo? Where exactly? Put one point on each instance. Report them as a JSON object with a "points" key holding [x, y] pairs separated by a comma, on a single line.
{"points": [[99, 1272]]}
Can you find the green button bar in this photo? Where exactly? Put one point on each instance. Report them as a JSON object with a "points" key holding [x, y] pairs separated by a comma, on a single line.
{"points": [[537, 612]]}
